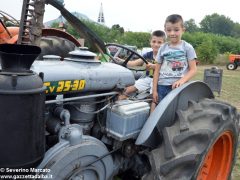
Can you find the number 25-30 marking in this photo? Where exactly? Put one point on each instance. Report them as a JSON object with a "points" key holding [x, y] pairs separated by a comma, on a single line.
{"points": [[64, 86]]}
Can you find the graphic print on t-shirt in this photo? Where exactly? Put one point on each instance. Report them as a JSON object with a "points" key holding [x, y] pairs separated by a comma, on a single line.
{"points": [[174, 64]]}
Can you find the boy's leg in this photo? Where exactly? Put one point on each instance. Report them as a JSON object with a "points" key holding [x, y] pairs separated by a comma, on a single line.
{"points": [[127, 92], [162, 92], [140, 85], [153, 106], [143, 84]]}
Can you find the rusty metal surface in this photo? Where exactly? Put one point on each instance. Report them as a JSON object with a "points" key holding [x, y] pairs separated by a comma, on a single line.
{"points": [[31, 22], [59, 33]]}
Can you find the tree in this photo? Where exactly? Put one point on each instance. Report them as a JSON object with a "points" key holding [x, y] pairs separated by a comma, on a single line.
{"points": [[207, 52], [118, 28], [139, 39], [236, 30], [207, 44], [217, 24], [191, 26]]}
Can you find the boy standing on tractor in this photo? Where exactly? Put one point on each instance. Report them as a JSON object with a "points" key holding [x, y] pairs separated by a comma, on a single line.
{"points": [[175, 60], [143, 84]]}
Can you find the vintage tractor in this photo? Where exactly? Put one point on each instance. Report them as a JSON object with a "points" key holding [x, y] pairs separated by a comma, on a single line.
{"points": [[62, 120], [234, 61]]}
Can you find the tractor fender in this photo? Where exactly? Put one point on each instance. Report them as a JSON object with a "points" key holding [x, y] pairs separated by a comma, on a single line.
{"points": [[165, 112]]}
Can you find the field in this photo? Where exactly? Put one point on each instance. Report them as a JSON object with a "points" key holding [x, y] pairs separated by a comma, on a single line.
{"points": [[230, 93], [230, 85]]}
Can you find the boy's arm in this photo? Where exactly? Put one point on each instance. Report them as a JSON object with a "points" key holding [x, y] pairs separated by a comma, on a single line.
{"points": [[137, 62], [155, 82], [192, 71], [150, 66]]}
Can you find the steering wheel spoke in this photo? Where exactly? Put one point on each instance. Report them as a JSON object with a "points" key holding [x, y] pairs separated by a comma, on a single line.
{"points": [[129, 57]]}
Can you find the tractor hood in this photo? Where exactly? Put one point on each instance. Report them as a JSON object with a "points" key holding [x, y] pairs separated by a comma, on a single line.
{"points": [[81, 72]]}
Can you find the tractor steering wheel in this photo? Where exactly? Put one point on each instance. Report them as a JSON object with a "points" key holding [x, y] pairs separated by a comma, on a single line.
{"points": [[5, 17], [132, 53]]}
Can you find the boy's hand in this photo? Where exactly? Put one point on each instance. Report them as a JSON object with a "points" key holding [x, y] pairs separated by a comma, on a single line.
{"points": [[150, 66], [177, 83], [119, 60]]}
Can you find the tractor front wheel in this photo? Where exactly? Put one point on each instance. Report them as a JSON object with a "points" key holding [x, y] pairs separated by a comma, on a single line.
{"points": [[200, 145]]}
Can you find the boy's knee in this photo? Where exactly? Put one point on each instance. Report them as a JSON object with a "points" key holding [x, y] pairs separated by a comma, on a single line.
{"points": [[130, 89], [126, 93]]}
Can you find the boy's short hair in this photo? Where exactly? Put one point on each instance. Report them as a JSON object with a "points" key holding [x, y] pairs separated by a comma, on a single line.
{"points": [[174, 18], [158, 33]]}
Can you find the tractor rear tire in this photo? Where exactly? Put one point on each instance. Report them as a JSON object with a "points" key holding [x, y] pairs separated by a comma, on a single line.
{"points": [[59, 46], [200, 145], [231, 66]]}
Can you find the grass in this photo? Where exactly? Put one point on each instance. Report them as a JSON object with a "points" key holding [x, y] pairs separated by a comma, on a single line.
{"points": [[230, 93]]}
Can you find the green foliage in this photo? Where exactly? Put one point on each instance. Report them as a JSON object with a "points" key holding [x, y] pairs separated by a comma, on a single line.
{"points": [[204, 45], [102, 31], [222, 43], [207, 52], [139, 39], [227, 44], [221, 59], [191, 26], [195, 38], [54, 24], [208, 40], [236, 30], [217, 24], [115, 34], [117, 27]]}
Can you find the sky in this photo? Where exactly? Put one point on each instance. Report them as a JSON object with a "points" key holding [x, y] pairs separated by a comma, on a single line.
{"points": [[137, 15]]}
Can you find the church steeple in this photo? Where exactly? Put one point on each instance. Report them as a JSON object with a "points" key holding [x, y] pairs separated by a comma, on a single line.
{"points": [[101, 16]]}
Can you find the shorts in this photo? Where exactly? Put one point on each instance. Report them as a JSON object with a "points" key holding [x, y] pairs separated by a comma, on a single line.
{"points": [[144, 84], [163, 90]]}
